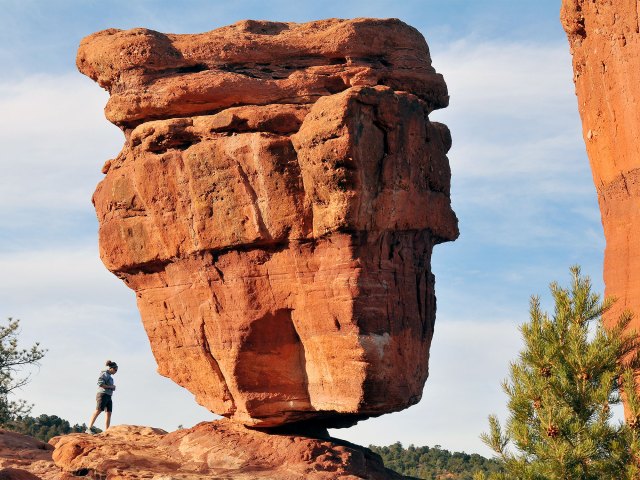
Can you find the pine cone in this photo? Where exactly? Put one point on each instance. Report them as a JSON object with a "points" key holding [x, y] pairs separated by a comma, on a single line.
{"points": [[553, 431], [584, 376], [537, 403], [545, 371]]}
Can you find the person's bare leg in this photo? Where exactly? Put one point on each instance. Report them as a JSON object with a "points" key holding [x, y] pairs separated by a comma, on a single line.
{"points": [[93, 418], [107, 421]]}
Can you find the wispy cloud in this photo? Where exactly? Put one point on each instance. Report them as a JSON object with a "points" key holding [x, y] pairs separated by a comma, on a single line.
{"points": [[518, 160], [55, 140], [468, 362]]}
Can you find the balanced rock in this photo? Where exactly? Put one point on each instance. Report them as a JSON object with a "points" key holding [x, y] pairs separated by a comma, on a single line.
{"points": [[275, 207], [605, 44], [220, 449]]}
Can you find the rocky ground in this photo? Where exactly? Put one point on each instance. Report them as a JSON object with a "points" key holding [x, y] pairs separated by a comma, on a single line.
{"points": [[220, 449]]}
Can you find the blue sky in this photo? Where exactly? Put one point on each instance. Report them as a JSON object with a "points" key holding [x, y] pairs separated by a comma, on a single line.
{"points": [[521, 188]]}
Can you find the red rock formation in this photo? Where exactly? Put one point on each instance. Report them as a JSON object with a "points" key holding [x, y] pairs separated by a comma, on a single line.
{"points": [[275, 207], [25, 458], [11, 473], [605, 44], [219, 449]]}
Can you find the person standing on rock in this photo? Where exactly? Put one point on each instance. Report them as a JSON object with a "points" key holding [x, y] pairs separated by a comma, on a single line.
{"points": [[106, 388]]}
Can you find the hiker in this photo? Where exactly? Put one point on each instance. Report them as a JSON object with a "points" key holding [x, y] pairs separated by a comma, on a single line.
{"points": [[106, 388]]}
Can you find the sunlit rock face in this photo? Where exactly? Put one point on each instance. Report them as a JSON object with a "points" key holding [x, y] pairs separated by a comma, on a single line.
{"points": [[605, 44], [275, 207]]}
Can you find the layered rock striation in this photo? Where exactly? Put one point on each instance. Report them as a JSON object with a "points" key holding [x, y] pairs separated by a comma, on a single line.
{"points": [[605, 43], [275, 207]]}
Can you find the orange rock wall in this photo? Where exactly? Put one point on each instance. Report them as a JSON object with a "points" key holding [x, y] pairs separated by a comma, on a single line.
{"points": [[274, 207], [605, 43]]}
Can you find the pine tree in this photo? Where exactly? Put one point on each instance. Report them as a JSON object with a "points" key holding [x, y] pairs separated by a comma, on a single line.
{"points": [[13, 359], [44, 427], [560, 392]]}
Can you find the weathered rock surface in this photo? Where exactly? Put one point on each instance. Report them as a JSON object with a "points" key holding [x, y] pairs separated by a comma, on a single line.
{"points": [[218, 449], [605, 44], [26, 458], [151, 75], [275, 207]]}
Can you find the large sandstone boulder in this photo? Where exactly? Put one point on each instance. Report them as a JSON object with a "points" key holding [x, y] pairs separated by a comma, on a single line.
{"points": [[605, 44], [275, 207]]}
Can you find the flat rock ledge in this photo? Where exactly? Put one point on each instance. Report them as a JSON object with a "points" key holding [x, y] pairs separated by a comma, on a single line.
{"points": [[219, 449]]}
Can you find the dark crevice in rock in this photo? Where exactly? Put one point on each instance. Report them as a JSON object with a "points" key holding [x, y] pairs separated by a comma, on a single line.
{"points": [[238, 69], [128, 127], [82, 472], [360, 237], [158, 266], [215, 267], [154, 266], [316, 427], [264, 245], [419, 300], [335, 85], [372, 60], [196, 68], [179, 140]]}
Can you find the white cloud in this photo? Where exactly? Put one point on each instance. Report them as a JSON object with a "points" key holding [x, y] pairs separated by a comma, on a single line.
{"points": [[55, 139], [513, 80], [59, 274], [520, 174]]}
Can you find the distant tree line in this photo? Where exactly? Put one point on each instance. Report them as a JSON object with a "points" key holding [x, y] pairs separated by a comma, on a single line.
{"points": [[43, 427], [434, 463]]}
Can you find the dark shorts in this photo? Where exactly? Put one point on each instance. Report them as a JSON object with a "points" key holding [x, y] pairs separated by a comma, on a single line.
{"points": [[104, 403]]}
